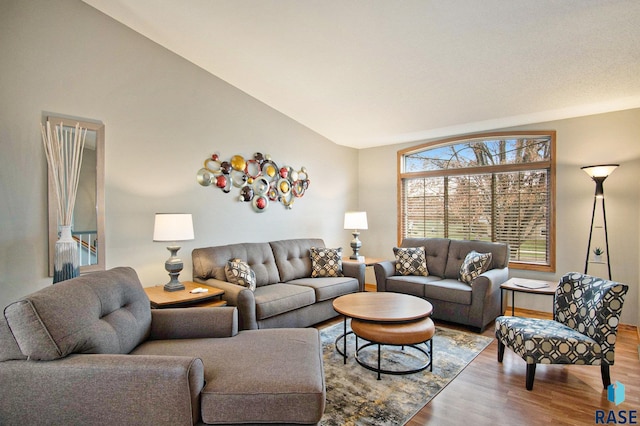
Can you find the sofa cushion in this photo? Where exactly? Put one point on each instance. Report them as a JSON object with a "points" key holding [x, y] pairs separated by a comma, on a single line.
{"points": [[293, 258], [410, 261], [8, 347], [326, 262], [247, 380], [209, 262], [103, 312], [448, 290], [458, 250], [276, 299], [239, 272], [329, 287], [474, 264], [436, 251], [409, 284]]}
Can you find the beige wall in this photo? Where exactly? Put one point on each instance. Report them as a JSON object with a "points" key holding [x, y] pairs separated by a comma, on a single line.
{"points": [[163, 116], [597, 139]]}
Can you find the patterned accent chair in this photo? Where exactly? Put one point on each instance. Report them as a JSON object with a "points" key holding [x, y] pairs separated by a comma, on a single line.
{"points": [[583, 330]]}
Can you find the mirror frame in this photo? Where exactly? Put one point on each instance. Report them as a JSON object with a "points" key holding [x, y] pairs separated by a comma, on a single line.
{"points": [[97, 127]]}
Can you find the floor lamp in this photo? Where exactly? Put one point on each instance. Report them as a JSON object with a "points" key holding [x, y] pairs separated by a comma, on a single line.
{"points": [[599, 173]]}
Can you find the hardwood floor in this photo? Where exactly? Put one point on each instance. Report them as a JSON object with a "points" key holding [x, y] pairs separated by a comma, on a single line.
{"points": [[487, 392]]}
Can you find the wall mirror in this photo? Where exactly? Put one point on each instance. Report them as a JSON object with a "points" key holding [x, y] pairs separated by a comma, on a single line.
{"points": [[88, 214]]}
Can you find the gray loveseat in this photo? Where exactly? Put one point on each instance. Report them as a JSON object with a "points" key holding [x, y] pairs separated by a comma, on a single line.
{"points": [[476, 304], [285, 294], [90, 351]]}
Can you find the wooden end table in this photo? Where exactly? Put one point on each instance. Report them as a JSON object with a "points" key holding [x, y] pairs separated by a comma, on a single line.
{"points": [[160, 298], [368, 262], [524, 285]]}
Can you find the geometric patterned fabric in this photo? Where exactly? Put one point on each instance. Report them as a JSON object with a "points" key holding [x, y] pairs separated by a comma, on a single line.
{"points": [[586, 315], [547, 342], [240, 273], [474, 264], [326, 262], [411, 261]]}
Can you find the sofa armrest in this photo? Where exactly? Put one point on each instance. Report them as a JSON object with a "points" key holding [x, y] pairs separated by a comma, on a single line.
{"points": [[384, 270], [485, 296], [102, 389], [195, 323], [355, 270], [239, 296]]}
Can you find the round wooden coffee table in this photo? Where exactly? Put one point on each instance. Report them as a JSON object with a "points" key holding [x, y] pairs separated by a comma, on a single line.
{"points": [[386, 319]]}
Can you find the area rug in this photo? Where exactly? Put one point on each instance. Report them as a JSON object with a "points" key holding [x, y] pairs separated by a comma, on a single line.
{"points": [[356, 397]]}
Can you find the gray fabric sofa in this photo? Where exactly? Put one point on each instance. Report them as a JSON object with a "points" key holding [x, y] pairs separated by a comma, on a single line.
{"points": [[285, 294], [475, 305], [90, 351]]}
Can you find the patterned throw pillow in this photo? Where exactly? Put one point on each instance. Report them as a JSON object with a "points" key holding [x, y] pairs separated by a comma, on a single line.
{"points": [[326, 262], [411, 261], [240, 273], [474, 264]]}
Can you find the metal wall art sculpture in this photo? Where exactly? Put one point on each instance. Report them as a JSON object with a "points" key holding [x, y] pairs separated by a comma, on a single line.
{"points": [[259, 179]]}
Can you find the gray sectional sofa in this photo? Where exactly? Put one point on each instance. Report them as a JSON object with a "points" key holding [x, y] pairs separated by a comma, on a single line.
{"points": [[285, 295], [90, 351], [476, 304]]}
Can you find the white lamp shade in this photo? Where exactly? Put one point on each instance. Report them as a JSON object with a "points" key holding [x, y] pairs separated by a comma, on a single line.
{"points": [[355, 220], [602, 170], [173, 227]]}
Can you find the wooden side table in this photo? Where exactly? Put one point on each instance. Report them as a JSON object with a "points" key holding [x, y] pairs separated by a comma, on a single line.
{"points": [[524, 285], [368, 261], [183, 298]]}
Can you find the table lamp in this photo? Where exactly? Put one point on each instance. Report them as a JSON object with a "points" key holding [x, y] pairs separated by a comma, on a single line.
{"points": [[355, 221], [173, 227]]}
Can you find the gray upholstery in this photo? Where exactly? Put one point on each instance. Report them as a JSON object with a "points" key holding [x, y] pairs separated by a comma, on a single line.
{"points": [[8, 346], [292, 257], [102, 314], [285, 290], [437, 253], [458, 250], [475, 305], [277, 299], [210, 262], [112, 360], [327, 288], [250, 376]]}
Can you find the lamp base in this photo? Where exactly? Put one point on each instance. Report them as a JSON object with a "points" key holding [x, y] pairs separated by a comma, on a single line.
{"points": [[174, 286], [174, 266], [355, 245]]}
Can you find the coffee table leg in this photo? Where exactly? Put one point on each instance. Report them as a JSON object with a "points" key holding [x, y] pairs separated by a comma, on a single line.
{"points": [[344, 340], [343, 336], [378, 361]]}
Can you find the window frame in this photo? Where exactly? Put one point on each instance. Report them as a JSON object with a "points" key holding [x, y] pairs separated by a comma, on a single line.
{"points": [[550, 165]]}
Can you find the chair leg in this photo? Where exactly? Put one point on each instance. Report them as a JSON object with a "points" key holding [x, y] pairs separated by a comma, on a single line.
{"points": [[500, 350], [531, 373], [606, 378]]}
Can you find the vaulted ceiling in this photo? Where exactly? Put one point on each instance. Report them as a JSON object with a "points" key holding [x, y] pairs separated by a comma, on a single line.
{"points": [[373, 72]]}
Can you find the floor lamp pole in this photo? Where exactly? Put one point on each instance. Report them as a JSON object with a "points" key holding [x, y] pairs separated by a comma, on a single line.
{"points": [[606, 238], [593, 215]]}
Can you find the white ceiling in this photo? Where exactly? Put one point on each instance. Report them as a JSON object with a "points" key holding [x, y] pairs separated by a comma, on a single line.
{"points": [[373, 72]]}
